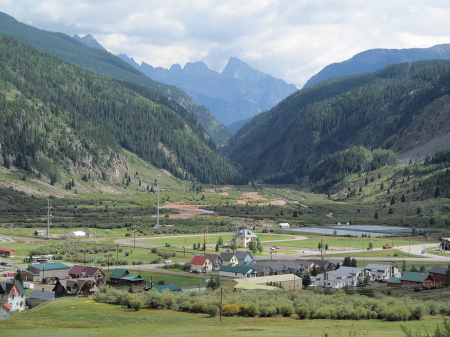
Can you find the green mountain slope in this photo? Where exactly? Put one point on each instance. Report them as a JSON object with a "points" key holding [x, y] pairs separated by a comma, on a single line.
{"points": [[66, 113], [387, 109], [104, 63]]}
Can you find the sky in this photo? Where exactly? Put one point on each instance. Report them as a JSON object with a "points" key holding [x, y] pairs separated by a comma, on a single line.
{"points": [[288, 39]]}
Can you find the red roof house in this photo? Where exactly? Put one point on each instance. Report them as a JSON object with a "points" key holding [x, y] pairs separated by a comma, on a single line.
{"points": [[7, 252], [201, 263]]}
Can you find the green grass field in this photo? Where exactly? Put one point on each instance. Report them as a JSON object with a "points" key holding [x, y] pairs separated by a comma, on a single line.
{"points": [[374, 254], [75, 317]]}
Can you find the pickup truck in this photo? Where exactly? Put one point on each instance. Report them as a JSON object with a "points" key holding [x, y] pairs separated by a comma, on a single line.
{"points": [[388, 246]]}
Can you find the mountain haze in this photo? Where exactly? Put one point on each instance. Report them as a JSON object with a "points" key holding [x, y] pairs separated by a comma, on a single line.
{"points": [[238, 93], [104, 63], [376, 59]]}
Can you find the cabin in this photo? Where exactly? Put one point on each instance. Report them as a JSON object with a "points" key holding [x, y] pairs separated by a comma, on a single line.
{"points": [[202, 263], [284, 225], [439, 274]]}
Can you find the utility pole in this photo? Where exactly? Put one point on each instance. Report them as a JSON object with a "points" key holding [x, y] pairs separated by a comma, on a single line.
{"points": [[321, 247], [184, 246], [48, 218], [117, 250], [76, 252], [157, 209], [84, 257], [221, 302]]}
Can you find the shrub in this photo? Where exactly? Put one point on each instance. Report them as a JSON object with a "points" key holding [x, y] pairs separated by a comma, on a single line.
{"points": [[252, 310], [397, 313], [243, 309], [137, 304], [230, 310], [302, 312], [264, 311], [199, 307], [185, 306], [212, 310], [286, 310]]}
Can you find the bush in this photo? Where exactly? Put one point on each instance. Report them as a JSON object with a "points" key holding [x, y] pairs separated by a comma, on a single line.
{"points": [[230, 310], [286, 310], [252, 310], [303, 312], [397, 313], [264, 311], [199, 307], [185, 306], [137, 304], [212, 310]]}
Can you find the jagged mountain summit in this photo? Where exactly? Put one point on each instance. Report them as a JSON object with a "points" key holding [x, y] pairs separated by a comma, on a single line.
{"points": [[89, 41], [237, 93], [376, 59]]}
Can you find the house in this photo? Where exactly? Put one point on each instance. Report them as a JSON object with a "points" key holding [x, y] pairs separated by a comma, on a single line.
{"points": [[132, 280], [244, 237], [13, 294], [412, 279], [7, 252], [229, 259], [308, 265], [323, 265], [216, 260], [278, 268], [287, 281], [440, 275], [262, 269], [73, 287], [284, 225], [117, 275], [394, 282], [293, 267], [202, 263], [78, 271], [171, 288], [240, 272], [76, 234], [38, 297], [244, 257], [445, 244], [5, 311], [46, 272], [342, 277], [382, 272]]}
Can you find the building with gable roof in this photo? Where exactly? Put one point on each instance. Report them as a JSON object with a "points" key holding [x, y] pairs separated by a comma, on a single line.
{"points": [[78, 271], [237, 271], [382, 272], [13, 294], [7, 252], [244, 257], [5, 311], [216, 260], [202, 263], [439, 274], [229, 259], [244, 237], [46, 272]]}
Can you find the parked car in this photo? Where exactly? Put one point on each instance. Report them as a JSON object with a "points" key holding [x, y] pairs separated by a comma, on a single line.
{"points": [[196, 271], [168, 261], [3, 263], [2, 269], [369, 248]]}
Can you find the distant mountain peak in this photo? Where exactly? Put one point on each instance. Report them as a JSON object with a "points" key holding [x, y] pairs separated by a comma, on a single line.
{"points": [[89, 41], [237, 68]]}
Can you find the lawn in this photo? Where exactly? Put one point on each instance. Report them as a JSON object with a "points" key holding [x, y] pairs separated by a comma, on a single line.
{"points": [[374, 253], [75, 317]]}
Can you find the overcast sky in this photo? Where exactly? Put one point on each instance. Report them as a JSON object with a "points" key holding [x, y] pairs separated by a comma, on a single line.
{"points": [[289, 39]]}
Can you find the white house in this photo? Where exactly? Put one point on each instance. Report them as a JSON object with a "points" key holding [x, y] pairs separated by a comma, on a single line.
{"points": [[339, 278], [382, 272], [13, 294], [244, 237], [76, 234], [284, 225]]}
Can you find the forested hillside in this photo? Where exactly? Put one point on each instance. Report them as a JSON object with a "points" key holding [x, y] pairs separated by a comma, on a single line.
{"points": [[398, 108], [376, 59], [104, 63], [54, 109]]}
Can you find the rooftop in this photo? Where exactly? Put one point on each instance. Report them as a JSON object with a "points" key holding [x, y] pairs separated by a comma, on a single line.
{"points": [[49, 266]]}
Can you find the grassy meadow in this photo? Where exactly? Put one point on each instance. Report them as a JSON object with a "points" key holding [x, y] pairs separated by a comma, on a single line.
{"points": [[76, 316]]}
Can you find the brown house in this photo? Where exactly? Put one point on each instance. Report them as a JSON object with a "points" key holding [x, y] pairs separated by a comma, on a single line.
{"points": [[78, 271], [440, 275], [411, 280]]}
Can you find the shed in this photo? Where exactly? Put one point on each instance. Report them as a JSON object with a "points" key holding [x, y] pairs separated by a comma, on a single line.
{"points": [[5, 311], [7, 252], [76, 234], [284, 225]]}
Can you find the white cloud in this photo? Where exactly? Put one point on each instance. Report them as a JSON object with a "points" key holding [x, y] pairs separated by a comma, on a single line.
{"points": [[288, 39]]}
